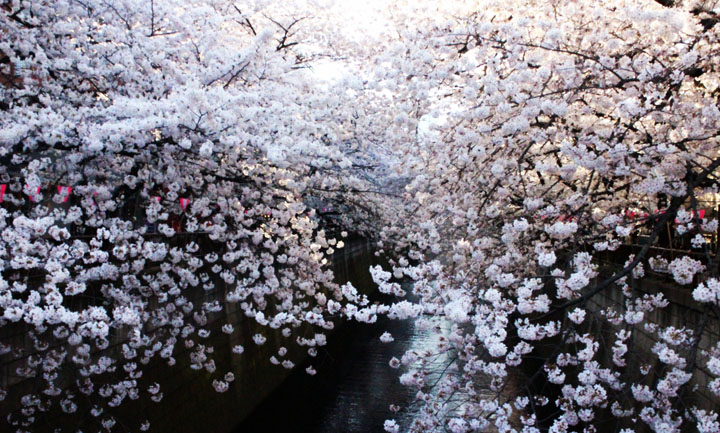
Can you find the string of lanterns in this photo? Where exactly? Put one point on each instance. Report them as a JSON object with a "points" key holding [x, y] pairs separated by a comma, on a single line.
{"points": [[65, 192]]}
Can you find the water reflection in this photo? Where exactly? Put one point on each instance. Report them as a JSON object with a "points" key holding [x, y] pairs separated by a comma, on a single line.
{"points": [[354, 386]]}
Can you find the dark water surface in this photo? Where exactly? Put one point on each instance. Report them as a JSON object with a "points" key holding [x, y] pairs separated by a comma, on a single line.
{"points": [[352, 390]]}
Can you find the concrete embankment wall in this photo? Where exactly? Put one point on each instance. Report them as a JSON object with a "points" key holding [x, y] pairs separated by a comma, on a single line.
{"points": [[682, 312], [189, 404]]}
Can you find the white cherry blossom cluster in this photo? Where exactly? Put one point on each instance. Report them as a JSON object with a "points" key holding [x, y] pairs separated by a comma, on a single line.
{"points": [[683, 269]]}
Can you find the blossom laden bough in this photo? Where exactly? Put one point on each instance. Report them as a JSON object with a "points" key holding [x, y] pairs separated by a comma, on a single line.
{"points": [[573, 134], [189, 148]]}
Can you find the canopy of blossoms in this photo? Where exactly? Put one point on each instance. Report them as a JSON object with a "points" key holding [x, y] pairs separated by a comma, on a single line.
{"points": [[499, 153]]}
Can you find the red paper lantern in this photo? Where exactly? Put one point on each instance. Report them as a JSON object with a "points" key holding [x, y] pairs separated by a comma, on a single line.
{"points": [[37, 191], [65, 190]]}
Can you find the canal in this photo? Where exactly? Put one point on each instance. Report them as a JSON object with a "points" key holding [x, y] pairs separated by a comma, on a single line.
{"points": [[354, 386]]}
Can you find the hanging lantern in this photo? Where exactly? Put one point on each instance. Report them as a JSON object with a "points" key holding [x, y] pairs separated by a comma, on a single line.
{"points": [[64, 191], [37, 192]]}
